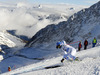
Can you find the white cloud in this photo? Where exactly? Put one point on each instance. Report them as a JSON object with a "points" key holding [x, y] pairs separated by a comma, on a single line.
{"points": [[91, 1]]}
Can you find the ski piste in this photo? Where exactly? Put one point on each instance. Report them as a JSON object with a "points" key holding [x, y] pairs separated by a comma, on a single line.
{"points": [[42, 67]]}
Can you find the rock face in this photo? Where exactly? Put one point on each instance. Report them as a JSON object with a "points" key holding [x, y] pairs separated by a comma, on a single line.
{"points": [[83, 24]]}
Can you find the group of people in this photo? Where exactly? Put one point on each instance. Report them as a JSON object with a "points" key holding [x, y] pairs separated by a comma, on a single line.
{"points": [[94, 42], [69, 51]]}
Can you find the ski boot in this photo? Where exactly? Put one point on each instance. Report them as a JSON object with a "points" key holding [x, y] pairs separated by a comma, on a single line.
{"points": [[77, 59], [62, 60]]}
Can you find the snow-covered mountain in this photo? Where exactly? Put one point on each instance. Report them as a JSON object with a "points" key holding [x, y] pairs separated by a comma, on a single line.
{"points": [[22, 20], [27, 19], [29, 61], [19, 22], [82, 25], [8, 41]]}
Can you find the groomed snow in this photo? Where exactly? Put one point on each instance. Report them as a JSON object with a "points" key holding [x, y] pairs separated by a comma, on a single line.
{"points": [[90, 64]]}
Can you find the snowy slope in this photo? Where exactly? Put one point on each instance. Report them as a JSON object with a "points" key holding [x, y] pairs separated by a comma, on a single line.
{"points": [[82, 25], [18, 42], [5, 41], [90, 65], [8, 41]]}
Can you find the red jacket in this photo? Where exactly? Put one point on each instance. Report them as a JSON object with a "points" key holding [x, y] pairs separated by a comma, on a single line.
{"points": [[85, 42], [9, 68], [80, 45]]}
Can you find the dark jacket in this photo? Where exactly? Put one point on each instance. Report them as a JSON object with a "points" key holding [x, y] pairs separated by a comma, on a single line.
{"points": [[86, 42], [80, 45]]}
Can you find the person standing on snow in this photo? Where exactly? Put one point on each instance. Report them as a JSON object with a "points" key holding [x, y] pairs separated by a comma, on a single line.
{"points": [[85, 44], [79, 46], [9, 68], [94, 42], [69, 51]]}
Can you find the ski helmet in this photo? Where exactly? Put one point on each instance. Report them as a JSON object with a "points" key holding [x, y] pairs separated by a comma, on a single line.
{"points": [[58, 44]]}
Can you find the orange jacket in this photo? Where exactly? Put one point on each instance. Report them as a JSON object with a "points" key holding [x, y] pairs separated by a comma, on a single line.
{"points": [[9, 68]]}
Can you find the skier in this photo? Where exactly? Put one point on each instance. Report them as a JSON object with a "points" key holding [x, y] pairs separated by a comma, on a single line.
{"points": [[85, 44], [94, 42], [79, 46], [9, 68], [68, 50]]}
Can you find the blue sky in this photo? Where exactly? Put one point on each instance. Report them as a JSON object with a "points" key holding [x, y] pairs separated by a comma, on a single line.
{"points": [[77, 2]]}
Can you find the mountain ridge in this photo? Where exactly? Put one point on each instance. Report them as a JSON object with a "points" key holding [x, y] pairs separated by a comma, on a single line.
{"points": [[80, 24]]}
